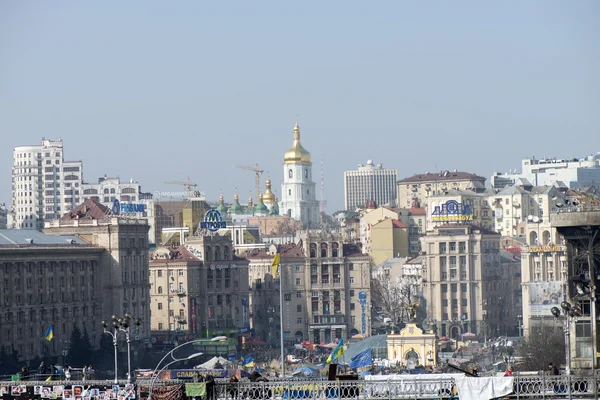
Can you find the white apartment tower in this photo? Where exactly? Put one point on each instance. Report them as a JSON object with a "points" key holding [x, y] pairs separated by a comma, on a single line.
{"points": [[298, 191], [44, 185], [370, 182]]}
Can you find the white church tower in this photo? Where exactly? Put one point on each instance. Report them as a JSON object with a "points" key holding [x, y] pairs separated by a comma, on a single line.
{"points": [[298, 191]]}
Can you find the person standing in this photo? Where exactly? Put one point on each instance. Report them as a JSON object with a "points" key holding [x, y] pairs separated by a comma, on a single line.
{"points": [[67, 372], [553, 369]]}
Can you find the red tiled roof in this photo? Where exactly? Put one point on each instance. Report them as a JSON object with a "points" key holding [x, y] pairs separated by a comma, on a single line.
{"points": [[449, 176], [176, 254], [291, 251], [398, 224], [87, 210], [416, 211]]}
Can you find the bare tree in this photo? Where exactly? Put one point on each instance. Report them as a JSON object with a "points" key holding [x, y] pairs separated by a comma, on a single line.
{"points": [[545, 344], [399, 299]]}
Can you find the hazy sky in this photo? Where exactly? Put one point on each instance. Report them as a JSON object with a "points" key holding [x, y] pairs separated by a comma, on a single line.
{"points": [[161, 91]]}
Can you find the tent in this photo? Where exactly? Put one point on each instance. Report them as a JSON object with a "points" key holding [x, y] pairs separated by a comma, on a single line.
{"points": [[306, 371], [210, 364]]}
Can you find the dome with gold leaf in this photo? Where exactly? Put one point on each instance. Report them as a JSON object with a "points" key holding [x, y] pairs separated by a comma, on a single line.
{"points": [[268, 197], [297, 154]]}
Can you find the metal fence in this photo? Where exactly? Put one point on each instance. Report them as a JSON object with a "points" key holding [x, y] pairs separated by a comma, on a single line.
{"points": [[524, 387]]}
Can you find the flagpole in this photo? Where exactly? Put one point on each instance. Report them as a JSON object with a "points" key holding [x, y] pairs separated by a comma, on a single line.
{"points": [[281, 318]]}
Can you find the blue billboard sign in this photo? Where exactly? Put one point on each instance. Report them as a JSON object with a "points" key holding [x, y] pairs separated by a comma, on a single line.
{"points": [[119, 208]]}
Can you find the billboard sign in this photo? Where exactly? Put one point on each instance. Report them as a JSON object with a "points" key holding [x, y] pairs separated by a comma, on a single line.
{"points": [[543, 296], [119, 208], [452, 211]]}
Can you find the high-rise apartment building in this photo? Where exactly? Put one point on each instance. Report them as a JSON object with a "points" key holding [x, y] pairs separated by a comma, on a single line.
{"points": [[369, 182], [458, 259], [44, 185]]}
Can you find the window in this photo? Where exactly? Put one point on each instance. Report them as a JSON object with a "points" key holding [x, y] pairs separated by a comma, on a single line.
{"points": [[297, 268], [290, 174], [299, 308], [160, 290], [290, 192], [352, 306], [444, 288], [299, 321], [160, 306], [351, 292], [180, 272], [454, 287], [298, 295], [351, 280], [306, 172], [463, 287], [160, 326], [297, 281], [159, 272], [452, 246]]}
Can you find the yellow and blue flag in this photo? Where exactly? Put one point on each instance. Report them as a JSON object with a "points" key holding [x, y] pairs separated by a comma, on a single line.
{"points": [[49, 333], [248, 362], [276, 261], [337, 352]]}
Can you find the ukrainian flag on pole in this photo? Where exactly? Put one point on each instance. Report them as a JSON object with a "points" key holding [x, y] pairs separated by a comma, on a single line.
{"points": [[276, 261], [337, 352], [49, 333]]}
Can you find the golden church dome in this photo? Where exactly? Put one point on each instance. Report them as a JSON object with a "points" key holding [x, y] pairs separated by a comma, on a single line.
{"points": [[297, 154], [268, 197]]}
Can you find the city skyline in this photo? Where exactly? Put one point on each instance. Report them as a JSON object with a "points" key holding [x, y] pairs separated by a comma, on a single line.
{"points": [[144, 103]]}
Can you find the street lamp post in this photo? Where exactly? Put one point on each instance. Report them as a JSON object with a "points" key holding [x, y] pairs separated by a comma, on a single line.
{"points": [[122, 325], [570, 312]]}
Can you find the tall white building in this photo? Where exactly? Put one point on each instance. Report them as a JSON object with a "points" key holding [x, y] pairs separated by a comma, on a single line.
{"points": [[45, 186], [129, 196], [576, 173], [370, 182], [298, 191]]}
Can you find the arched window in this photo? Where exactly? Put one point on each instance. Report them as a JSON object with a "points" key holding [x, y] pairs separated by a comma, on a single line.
{"points": [[105, 191], [313, 250], [217, 253], [112, 191], [533, 239], [323, 250], [306, 172], [290, 192], [290, 173], [334, 250], [160, 290], [546, 238], [226, 253], [208, 253]]}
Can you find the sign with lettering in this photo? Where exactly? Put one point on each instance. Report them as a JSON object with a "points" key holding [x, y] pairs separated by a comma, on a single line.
{"points": [[222, 266], [452, 211], [362, 298], [213, 221], [118, 207], [544, 249]]}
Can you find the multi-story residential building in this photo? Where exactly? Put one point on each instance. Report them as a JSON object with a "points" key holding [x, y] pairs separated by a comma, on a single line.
{"points": [[44, 185], [416, 220], [576, 173], [224, 303], [502, 295], [125, 283], [175, 296], [389, 239], [414, 191], [456, 257], [521, 202], [122, 198], [460, 206], [49, 280], [298, 191], [3, 216], [369, 182], [326, 289], [336, 278], [368, 217]]}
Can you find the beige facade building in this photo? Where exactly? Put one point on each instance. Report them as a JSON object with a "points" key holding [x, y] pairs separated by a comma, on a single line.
{"points": [[389, 239], [412, 347], [223, 302], [456, 258], [125, 285], [369, 217], [44, 280], [323, 284], [174, 293], [414, 191], [416, 220]]}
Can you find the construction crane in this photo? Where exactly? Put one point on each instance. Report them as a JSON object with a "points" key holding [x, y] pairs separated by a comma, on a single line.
{"points": [[188, 185], [257, 171]]}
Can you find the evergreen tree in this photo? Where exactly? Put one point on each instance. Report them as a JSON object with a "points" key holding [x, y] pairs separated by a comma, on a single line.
{"points": [[3, 361], [86, 346], [75, 356], [104, 360]]}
